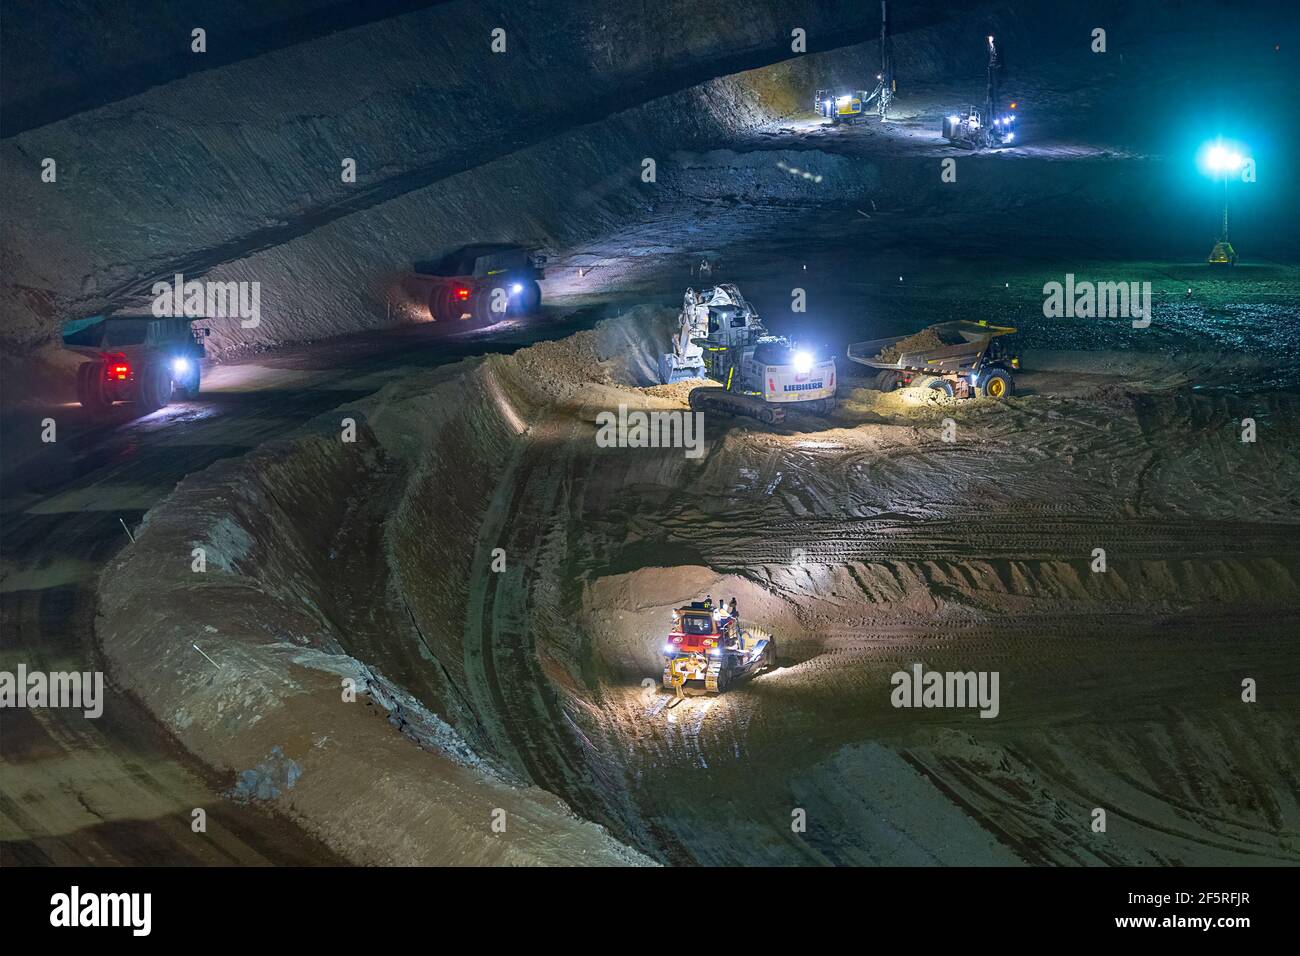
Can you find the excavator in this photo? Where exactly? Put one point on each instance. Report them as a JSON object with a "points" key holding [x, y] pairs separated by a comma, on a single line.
{"points": [[708, 646], [720, 337]]}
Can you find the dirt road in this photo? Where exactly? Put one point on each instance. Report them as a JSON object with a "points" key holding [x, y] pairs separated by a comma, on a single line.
{"points": [[117, 790]]}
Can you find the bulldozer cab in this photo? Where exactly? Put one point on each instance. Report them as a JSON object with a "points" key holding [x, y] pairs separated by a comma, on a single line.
{"points": [[698, 629], [698, 623]]}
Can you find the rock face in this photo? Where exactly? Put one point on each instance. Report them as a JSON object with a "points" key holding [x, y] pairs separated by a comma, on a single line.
{"points": [[234, 171], [252, 662]]}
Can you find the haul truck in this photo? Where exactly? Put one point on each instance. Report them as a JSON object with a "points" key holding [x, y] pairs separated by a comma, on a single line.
{"points": [[481, 283], [135, 358], [967, 361]]}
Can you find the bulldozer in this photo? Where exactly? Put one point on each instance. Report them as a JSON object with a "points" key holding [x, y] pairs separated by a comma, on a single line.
{"points": [[709, 648], [720, 337]]}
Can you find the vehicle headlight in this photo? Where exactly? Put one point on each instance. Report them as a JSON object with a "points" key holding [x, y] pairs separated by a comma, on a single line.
{"points": [[669, 649], [516, 288], [180, 366], [715, 653], [1010, 137], [803, 362]]}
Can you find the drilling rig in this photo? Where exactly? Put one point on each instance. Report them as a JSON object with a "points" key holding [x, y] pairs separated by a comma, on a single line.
{"points": [[988, 128], [850, 105], [888, 85]]}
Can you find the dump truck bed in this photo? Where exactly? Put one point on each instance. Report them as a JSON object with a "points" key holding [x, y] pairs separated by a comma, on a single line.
{"points": [[93, 335], [968, 341]]}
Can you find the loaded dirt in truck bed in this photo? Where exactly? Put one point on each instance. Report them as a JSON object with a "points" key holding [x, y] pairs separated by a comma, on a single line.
{"points": [[923, 341]]}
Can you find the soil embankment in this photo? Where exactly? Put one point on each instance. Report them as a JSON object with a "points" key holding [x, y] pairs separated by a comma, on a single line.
{"points": [[496, 585]]}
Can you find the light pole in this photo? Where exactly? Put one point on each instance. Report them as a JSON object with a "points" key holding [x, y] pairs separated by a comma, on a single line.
{"points": [[1223, 162]]}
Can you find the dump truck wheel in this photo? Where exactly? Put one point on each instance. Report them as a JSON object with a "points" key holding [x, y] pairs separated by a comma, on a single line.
{"points": [[90, 387], [997, 384], [887, 381], [455, 309], [155, 387], [438, 306], [445, 307], [528, 300], [940, 385], [483, 305]]}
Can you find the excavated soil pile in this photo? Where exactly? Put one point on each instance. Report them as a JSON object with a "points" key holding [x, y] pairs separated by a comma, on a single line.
{"points": [[496, 582]]}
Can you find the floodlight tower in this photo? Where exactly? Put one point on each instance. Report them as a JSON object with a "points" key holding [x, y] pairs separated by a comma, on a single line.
{"points": [[1223, 162]]}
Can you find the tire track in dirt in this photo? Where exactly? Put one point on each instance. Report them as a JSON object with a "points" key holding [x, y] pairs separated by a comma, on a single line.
{"points": [[543, 739]]}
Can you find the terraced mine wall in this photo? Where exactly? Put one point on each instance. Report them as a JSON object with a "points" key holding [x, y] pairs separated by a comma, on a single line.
{"points": [[494, 586], [233, 172]]}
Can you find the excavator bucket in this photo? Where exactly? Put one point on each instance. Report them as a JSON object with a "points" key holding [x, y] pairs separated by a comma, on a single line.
{"points": [[671, 371]]}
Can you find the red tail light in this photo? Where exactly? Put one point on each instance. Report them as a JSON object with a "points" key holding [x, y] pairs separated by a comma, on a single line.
{"points": [[118, 371], [462, 293]]}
